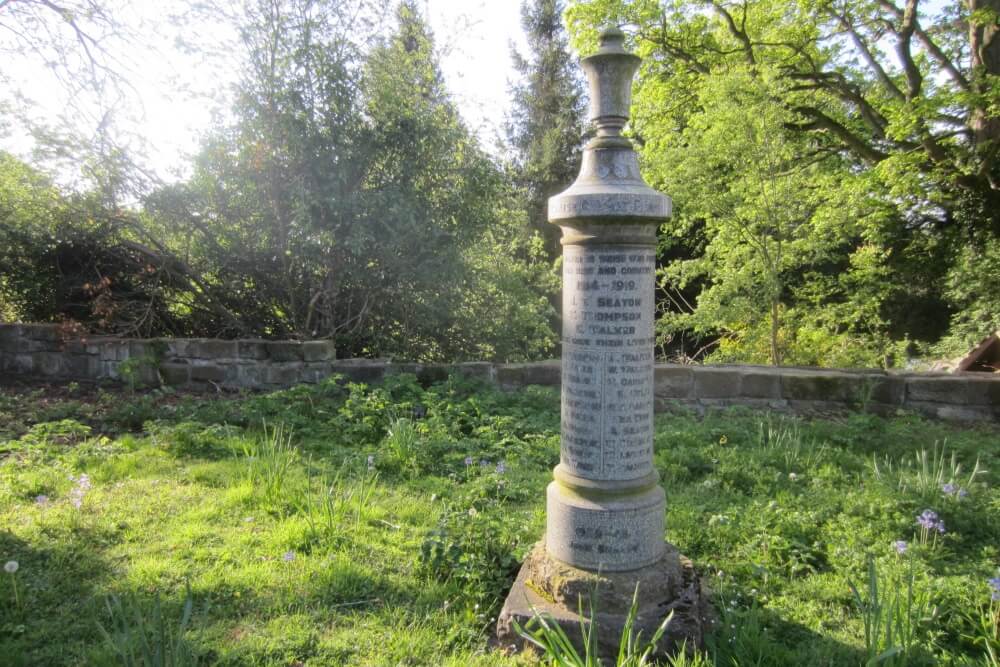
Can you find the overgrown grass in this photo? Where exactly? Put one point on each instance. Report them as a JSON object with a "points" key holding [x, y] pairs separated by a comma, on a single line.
{"points": [[345, 524]]}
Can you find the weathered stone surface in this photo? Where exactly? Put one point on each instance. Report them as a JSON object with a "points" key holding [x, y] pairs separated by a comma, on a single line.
{"points": [[937, 389], [251, 349], [285, 350], [207, 372], [550, 587], [482, 370], [760, 384], [360, 370], [717, 382], [319, 350], [174, 374], [285, 374], [207, 348], [673, 381], [797, 385]]}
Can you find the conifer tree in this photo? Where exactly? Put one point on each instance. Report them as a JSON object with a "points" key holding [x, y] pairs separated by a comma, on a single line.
{"points": [[546, 121]]}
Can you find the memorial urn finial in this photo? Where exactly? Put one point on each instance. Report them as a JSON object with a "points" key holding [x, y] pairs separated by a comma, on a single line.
{"points": [[609, 73]]}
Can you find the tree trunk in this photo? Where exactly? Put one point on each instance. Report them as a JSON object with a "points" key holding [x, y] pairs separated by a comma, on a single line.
{"points": [[775, 326], [984, 49]]}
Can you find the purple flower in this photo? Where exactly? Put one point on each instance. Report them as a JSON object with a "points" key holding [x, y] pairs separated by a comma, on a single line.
{"points": [[949, 489], [962, 493], [900, 546], [42, 500], [288, 557], [485, 464], [501, 468], [994, 583], [940, 526], [928, 519], [468, 461]]}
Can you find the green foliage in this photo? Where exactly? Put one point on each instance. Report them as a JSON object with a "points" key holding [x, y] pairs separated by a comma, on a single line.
{"points": [[145, 637], [825, 213], [358, 563], [892, 609], [269, 462], [546, 121], [545, 633]]}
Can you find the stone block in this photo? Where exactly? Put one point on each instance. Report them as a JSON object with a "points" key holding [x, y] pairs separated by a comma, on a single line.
{"points": [[673, 381], [799, 385], [208, 372], [82, 366], [178, 348], [510, 376], [432, 374], [760, 384], [255, 349], [284, 350], [545, 373], [936, 389], [211, 348], [249, 376], [316, 371], [10, 335], [716, 382], [982, 391], [482, 370], [319, 350], [114, 349], [23, 363], [360, 370], [50, 364], [885, 389], [41, 332], [284, 374], [175, 374]]}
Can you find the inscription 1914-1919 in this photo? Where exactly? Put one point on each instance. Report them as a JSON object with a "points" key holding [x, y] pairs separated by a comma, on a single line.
{"points": [[607, 361]]}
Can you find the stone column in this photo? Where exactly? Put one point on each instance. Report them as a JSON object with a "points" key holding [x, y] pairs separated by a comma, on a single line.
{"points": [[605, 508]]}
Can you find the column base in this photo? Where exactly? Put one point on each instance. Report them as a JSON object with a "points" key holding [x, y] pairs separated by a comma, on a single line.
{"points": [[553, 588]]}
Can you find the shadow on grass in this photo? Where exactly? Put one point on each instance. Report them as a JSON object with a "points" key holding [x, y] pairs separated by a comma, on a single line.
{"points": [[58, 583], [761, 638]]}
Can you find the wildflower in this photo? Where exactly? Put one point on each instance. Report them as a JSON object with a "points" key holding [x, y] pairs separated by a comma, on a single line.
{"points": [[485, 464], [994, 583], [962, 493], [80, 490], [949, 489], [900, 546], [792, 477], [723, 440], [41, 500], [928, 520], [468, 461], [288, 557], [11, 567], [371, 462], [248, 519], [501, 468], [473, 512]]}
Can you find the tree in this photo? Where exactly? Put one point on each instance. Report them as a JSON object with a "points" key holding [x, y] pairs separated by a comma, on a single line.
{"points": [[897, 106], [545, 127]]}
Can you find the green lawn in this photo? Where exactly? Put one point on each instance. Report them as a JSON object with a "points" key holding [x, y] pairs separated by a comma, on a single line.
{"points": [[353, 525]]}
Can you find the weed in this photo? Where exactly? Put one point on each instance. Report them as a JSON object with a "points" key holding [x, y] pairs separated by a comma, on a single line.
{"points": [[545, 633], [145, 637], [892, 611], [269, 461]]}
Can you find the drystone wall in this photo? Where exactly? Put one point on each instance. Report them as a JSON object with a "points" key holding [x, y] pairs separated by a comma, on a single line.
{"points": [[41, 351]]}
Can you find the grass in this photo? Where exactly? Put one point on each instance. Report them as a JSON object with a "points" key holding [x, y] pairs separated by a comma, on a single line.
{"points": [[350, 525]]}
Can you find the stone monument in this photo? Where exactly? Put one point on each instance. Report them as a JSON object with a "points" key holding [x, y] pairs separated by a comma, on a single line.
{"points": [[605, 508]]}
